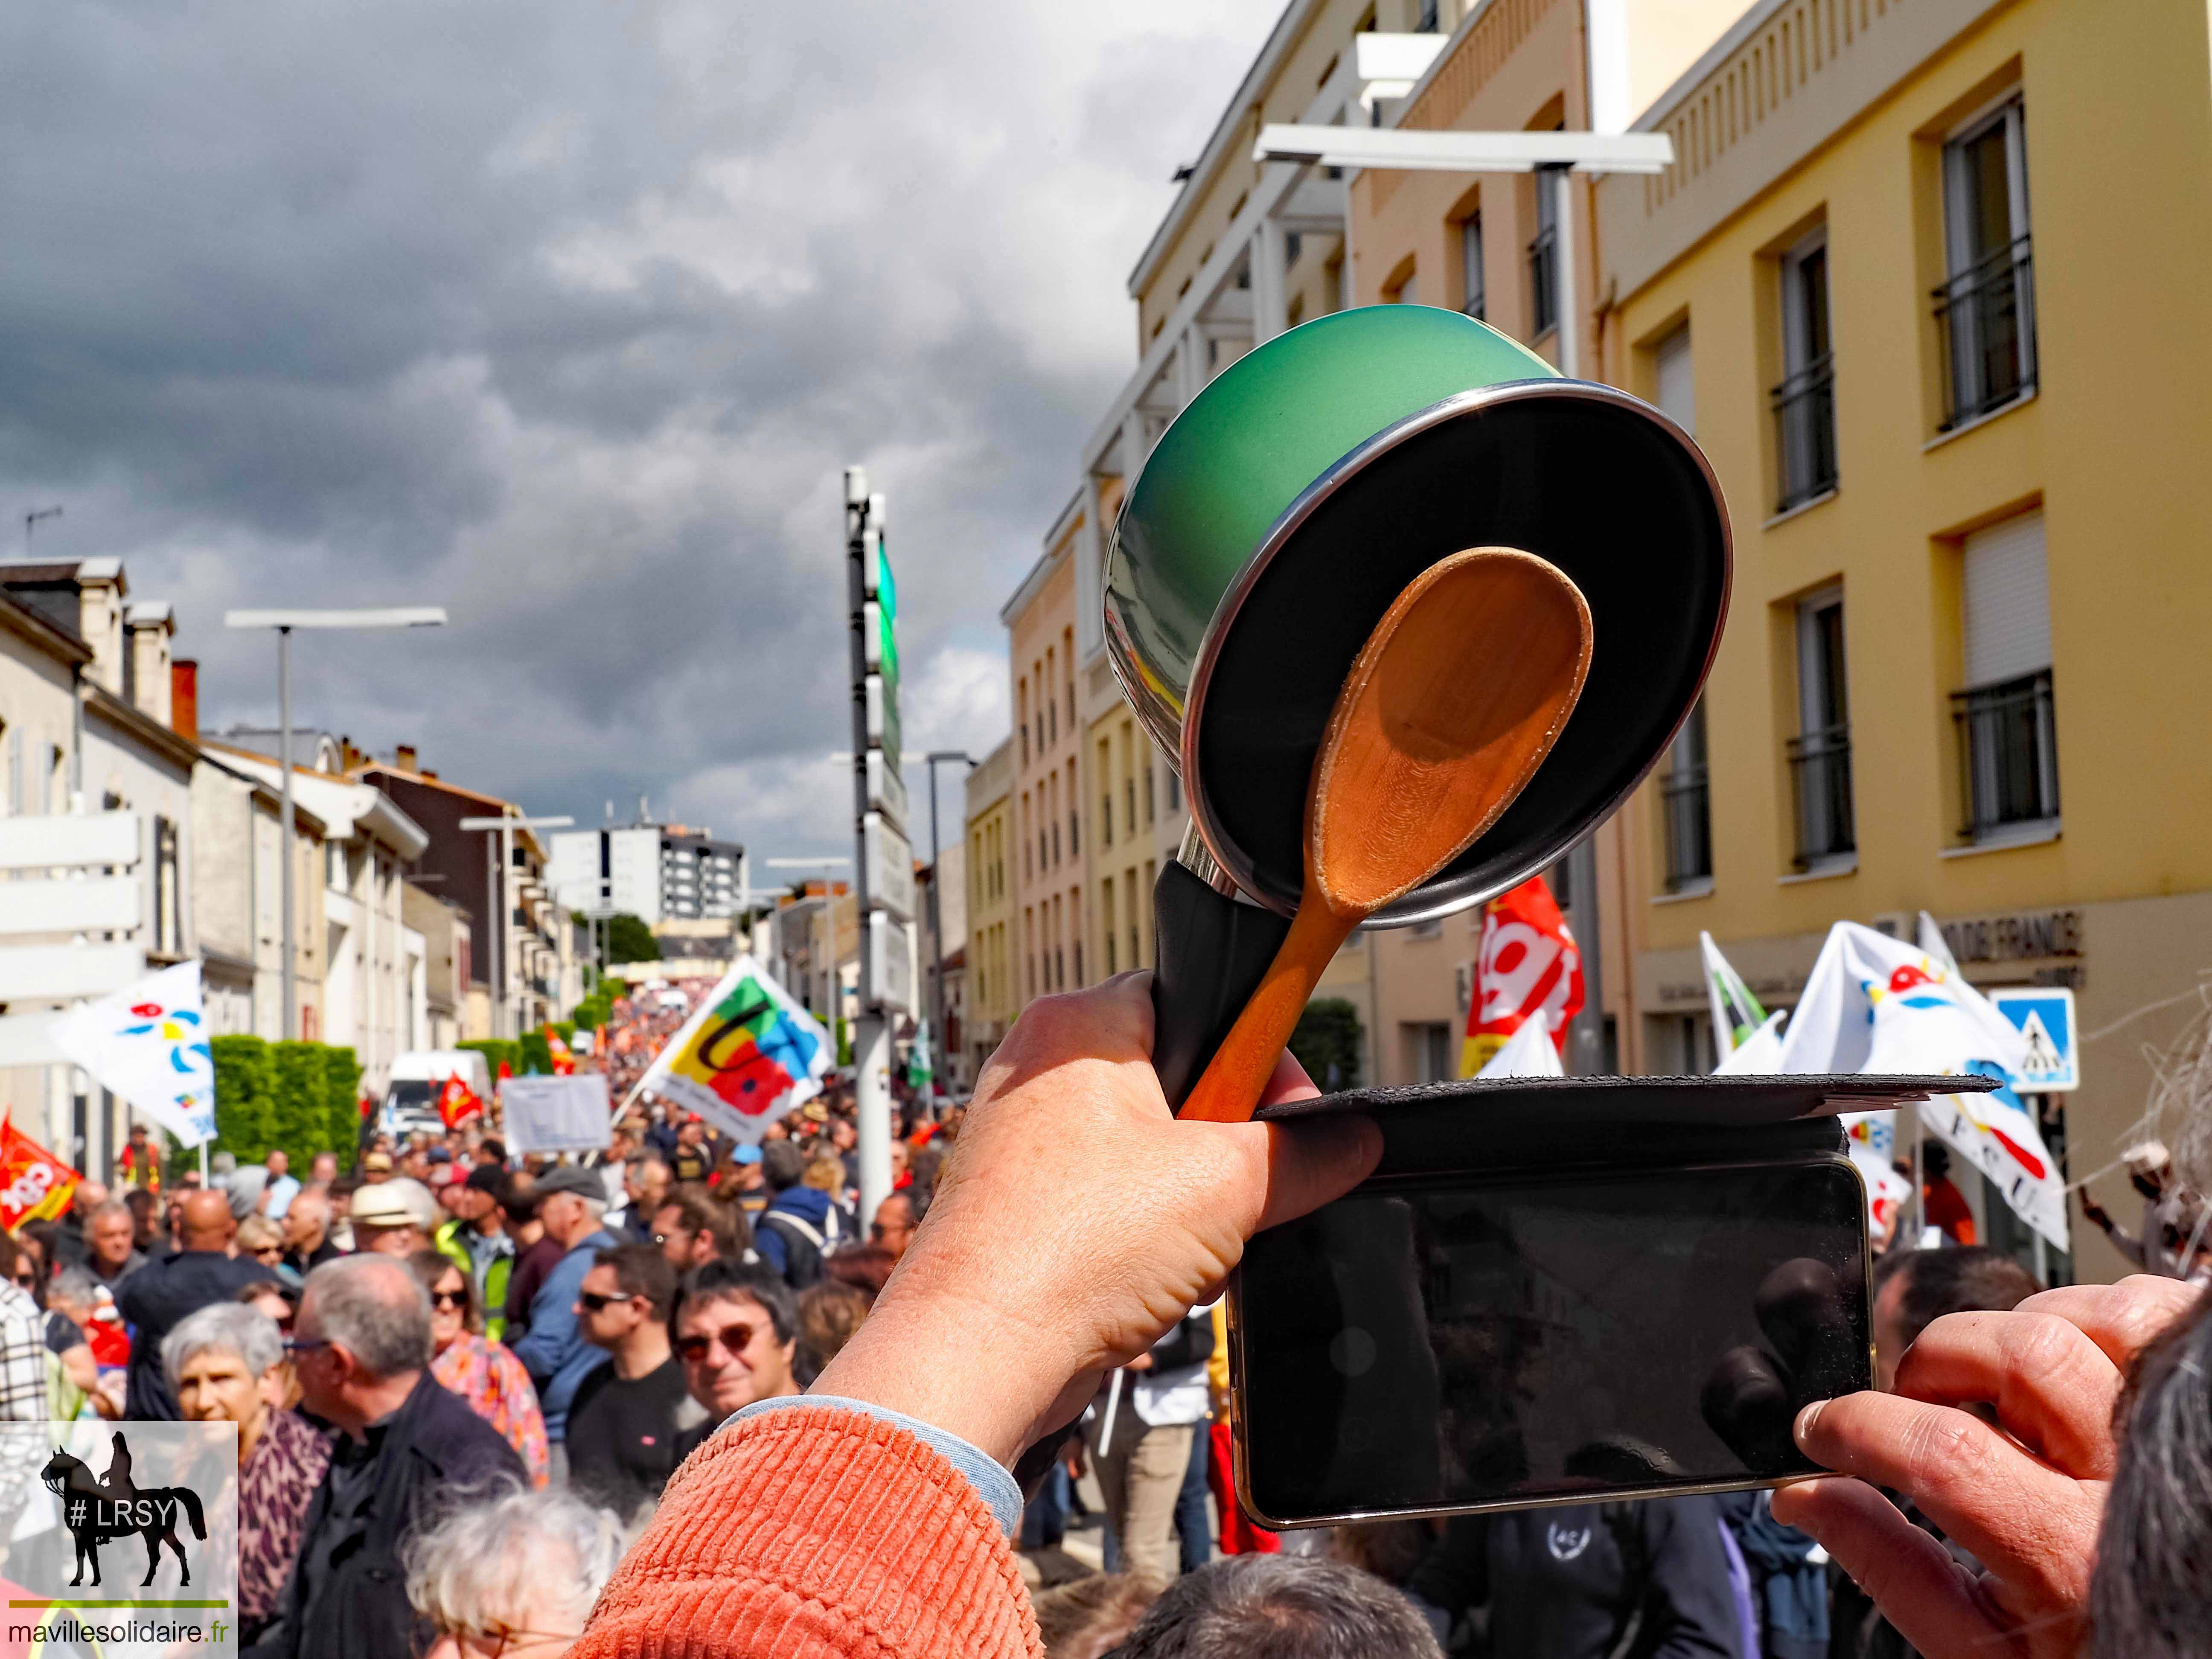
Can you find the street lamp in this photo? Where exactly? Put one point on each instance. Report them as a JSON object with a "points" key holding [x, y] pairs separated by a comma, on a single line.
{"points": [[423, 615], [936, 926], [502, 850]]}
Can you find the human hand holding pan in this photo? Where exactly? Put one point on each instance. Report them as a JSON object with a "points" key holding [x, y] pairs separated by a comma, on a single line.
{"points": [[1451, 705]]}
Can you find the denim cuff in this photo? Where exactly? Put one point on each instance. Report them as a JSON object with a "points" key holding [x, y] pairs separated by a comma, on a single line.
{"points": [[985, 1473]]}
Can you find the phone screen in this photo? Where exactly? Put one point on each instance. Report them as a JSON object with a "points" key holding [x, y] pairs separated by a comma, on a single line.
{"points": [[1454, 1343]]}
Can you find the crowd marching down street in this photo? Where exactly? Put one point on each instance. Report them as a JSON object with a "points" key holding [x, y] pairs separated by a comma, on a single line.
{"points": [[479, 1376]]}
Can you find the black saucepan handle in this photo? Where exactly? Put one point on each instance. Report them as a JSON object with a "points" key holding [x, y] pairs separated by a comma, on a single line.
{"points": [[1209, 955]]}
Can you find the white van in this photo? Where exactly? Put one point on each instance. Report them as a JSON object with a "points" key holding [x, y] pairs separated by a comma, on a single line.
{"points": [[410, 1099]]}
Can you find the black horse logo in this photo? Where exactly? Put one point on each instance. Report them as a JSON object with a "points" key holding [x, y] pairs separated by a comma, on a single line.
{"points": [[96, 1511]]}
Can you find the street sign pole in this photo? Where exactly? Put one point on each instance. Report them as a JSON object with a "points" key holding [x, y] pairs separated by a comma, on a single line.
{"points": [[872, 1032]]}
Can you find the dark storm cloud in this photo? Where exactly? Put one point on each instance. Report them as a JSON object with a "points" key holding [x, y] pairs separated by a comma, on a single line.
{"points": [[566, 315]]}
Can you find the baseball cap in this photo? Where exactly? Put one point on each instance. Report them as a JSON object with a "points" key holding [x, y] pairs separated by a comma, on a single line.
{"points": [[394, 1204], [747, 1153], [570, 1178]]}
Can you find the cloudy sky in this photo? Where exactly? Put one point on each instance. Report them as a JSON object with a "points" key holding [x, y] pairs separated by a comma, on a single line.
{"points": [[566, 315]]}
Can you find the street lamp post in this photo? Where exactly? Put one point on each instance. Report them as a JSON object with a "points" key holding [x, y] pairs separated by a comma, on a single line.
{"points": [[502, 848], [424, 615], [936, 921]]}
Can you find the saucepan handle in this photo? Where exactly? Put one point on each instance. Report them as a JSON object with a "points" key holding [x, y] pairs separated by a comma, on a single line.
{"points": [[1209, 954]]}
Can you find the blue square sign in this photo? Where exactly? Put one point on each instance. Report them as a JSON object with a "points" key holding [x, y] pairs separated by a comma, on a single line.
{"points": [[2046, 1018]]}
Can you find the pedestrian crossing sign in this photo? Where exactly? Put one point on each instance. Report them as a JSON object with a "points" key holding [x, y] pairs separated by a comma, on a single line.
{"points": [[2045, 1016]]}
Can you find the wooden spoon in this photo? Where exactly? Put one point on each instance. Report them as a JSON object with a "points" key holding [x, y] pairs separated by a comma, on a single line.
{"points": [[1451, 705]]}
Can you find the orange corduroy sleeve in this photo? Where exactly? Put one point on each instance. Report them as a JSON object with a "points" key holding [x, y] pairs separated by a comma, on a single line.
{"points": [[817, 1533]]}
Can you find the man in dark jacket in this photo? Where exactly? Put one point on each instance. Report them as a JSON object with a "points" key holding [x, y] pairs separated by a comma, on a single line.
{"points": [[167, 1291], [404, 1446], [1588, 1581]]}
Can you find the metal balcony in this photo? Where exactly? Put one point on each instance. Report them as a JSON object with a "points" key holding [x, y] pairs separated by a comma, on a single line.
{"points": [[1805, 433], [2007, 754], [1820, 792], [1985, 318]]}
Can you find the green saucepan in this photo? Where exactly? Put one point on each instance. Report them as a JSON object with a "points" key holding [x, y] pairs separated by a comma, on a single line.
{"points": [[1284, 510]]}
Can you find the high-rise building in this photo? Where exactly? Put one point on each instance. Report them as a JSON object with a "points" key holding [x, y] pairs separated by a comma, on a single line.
{"points": [[654, 872]]}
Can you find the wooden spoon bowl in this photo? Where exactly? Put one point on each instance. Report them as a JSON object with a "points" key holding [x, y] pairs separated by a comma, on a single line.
{"points": [[1451, 705]]}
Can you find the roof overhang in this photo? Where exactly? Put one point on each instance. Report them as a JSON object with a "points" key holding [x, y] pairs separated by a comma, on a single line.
{"points": [[1425, 151]]}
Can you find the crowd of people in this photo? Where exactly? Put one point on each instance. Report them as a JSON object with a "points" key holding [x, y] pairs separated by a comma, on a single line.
{"points": [[494, 1381]]}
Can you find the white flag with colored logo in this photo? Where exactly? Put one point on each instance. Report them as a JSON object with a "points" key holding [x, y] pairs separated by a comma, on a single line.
{"points": [[1529, 1052], [1879, 1006], [149, 1043]]}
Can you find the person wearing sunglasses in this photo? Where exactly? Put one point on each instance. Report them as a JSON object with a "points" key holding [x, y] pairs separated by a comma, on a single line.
{"points": [[736, 1331], [475, 1369], [625, 1420], [511, 1575]]}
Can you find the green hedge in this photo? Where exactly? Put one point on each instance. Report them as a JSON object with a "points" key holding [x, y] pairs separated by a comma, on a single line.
{"points": [[302, 1096], [494, 1050], [1326, 1043], [342, 1104], [537, 1055], [245, 1092]]}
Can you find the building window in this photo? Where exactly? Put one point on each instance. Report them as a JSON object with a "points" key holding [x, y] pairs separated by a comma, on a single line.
{"points": [[1683, 792], [1426, 20], [1821, 753], [1055, 842], [1470, 243], [1805, 401], [1544, 258], [1106, 904], [1129, 801], [2006, 721], [1674, 385], [1986, 309], [1149, 794], [1106, 818], [1430, 1044], [1175, 791]]}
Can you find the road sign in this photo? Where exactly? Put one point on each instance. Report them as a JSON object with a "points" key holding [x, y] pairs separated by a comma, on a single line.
{"points": [[891, 962], [891, 865], [882, 699], [2045, 1016], [886, 789]]}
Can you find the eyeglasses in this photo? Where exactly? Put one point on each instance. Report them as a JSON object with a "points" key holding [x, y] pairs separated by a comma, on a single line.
{"points": [[734, 1339], [297, 1345], [488, 1644], [28, 1279], [449, 1301], [877, 1230], [593, 1301]]}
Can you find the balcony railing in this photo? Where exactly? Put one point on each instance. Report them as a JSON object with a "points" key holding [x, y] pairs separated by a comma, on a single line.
{"points": [[1544, 274], [1985, 315], [1805, 432], [1689, 828], [1821, 788], [2008, 753]]}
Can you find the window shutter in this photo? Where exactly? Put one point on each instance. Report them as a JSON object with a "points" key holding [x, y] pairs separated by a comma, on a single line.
{"points": [[1676, 396], [2007, 601]]}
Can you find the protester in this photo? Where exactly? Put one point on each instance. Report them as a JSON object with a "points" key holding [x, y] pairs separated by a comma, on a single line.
{"points": [[404, 1446], [625, 1419], [799, 1226], [736, 1331], [1913, 1289], [262, 1240], [284, 1186], [535, 1254], [572, 1208], [110, 1255], [2155, 1248], [323, 1170], [225, 1365], [23, 1392], [646, 1185], [138, 1165], [306, 1226], [747, 1184], [280, 1304], [72, 1298], [483, 1374], [397, 1217], [1139, 1434], [691, 1230], [1943, 1207], [511, 1573], [145, 1209], [691, 1161], [375, 1168], [829, 1314], [477, 1241], [159, 1295], [865, 1268], [1271, 1606], [893, 1227], [1090, 1617]]}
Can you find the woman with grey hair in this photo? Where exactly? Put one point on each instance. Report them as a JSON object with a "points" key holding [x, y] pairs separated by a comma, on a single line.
{"points": [[512, 1572], [225, 1365]]}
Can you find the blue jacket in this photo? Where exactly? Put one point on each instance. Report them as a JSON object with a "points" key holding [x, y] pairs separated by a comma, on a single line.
{"points": [[810, 1205], [553, 1351]]}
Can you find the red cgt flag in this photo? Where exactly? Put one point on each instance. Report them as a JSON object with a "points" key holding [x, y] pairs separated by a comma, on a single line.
{"points": [[34, 1184], [565, 1063], [457, 1103], [1527, 968]]}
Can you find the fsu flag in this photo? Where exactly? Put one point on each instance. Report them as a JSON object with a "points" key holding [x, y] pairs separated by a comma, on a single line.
{"points": [[745, 1058], [34, 1184], [457, 1103], [1528, 968]]}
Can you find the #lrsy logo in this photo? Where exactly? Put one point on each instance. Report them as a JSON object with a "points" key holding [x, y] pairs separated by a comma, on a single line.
{"points": [[99, 1509]]}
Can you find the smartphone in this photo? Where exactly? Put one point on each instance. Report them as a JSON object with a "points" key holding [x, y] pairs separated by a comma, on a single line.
{"points": [[1436, 1345]]}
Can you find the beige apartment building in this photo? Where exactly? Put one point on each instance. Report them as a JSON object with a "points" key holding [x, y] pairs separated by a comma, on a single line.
{"points": [[987, 975]]}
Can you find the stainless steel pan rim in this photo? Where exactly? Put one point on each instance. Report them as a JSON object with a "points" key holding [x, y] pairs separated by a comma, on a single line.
{"points": [[1434, 900]]}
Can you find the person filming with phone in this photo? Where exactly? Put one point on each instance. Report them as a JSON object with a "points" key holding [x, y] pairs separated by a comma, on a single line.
{"points": [[1076, 1223]]}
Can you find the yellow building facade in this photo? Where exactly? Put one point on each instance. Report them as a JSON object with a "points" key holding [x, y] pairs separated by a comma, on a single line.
{"points": [[991, 1001], [1923, 280]]}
